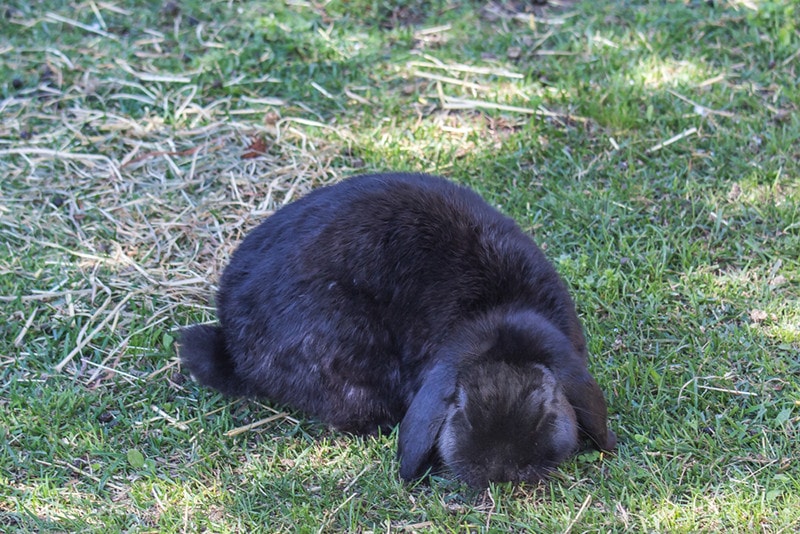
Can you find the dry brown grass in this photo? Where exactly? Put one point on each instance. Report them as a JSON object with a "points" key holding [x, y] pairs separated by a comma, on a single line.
{"points": [[140, 216]]}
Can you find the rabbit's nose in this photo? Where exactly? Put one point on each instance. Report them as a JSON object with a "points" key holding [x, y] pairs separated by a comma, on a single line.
{"points": [[499, 472]]}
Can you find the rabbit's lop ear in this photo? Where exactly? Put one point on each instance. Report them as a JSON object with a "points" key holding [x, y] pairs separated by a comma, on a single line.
{"points": [[587, 400], [419, 429]]}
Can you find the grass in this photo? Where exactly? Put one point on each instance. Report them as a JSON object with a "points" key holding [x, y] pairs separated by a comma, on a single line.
{"points": [[650, 147]]}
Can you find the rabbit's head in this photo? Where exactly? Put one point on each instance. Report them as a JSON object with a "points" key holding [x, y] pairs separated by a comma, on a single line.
{"points": [[507, 402], [508, 423]]}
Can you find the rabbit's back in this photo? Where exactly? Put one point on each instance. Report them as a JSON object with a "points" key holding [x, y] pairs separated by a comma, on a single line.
{"points": [[336, 303]]}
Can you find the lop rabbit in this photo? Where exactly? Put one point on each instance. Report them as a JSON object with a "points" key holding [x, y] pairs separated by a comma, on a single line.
{"points": [[404, 298]]}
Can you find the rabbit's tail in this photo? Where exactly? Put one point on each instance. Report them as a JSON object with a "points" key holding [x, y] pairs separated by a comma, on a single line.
{"points": [[202, 349]]}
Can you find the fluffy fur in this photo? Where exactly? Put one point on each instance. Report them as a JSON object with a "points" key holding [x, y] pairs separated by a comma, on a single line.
{"points": [[404, 298]]}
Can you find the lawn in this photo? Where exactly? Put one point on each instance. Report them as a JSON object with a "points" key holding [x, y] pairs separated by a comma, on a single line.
{"points": [[650, 147]]}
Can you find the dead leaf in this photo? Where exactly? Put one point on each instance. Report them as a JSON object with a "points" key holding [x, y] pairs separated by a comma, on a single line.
{"points": [[258, 147]]}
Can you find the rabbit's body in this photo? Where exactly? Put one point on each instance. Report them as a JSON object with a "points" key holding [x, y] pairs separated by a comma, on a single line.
{"points": [[360, 298]]}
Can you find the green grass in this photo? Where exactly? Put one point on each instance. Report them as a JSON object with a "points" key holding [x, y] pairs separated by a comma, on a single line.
{"points": [[124, 189]]}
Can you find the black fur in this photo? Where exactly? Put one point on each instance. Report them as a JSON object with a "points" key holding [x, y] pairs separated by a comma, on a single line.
{"points": [[404, 297]]}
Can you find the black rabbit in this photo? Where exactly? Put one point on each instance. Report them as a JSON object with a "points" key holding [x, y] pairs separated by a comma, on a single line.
{"points": [[404, 298]]}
